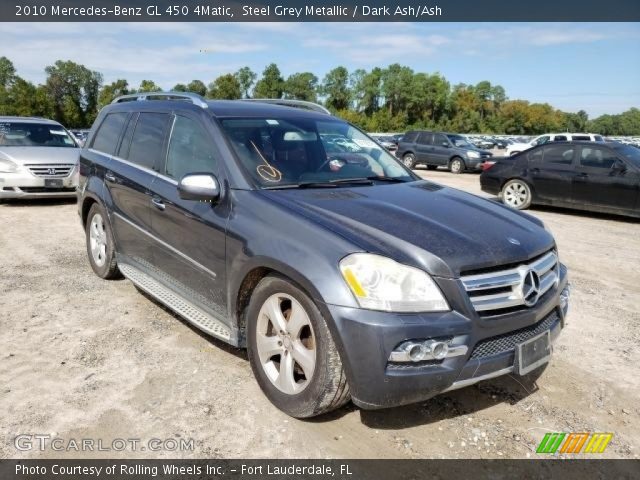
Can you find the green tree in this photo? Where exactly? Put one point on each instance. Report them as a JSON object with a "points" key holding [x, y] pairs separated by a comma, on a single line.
{"points": [[225, 87], [73, 89], [197, 86], [111, 91], [7, 72], [179, 87], [335, 87], [301, 86], [147, 86], [366, 90], [246, 77], [271, 85], [396, 87]]}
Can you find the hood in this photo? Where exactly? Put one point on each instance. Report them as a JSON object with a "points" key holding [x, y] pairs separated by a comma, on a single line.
{"points": [[439, 229], [40, 155]]}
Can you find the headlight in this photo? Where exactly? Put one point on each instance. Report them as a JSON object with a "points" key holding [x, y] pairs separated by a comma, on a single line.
{"points": [[473, 154], [379, 283], [7, 166]]}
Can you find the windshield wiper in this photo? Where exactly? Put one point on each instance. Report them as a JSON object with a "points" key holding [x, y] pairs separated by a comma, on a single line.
{"points": [[384, 178]]}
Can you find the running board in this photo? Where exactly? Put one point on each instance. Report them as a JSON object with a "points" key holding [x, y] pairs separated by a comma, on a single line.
{"points": [[187, 310]]}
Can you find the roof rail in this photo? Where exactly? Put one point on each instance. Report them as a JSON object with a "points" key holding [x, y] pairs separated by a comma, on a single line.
{"points": [[291, 103], [143, 96]]}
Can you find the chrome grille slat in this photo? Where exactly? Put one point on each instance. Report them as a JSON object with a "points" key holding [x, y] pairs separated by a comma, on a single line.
{"points": [[42, 170], [510, 281]]}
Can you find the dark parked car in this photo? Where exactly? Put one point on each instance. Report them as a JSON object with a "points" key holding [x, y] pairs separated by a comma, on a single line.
{"points": [[435, 149], [582, 175], [342, 273]]}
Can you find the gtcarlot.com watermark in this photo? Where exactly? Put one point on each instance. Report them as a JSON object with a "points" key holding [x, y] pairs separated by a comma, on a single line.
{"points": [[42, 442]]}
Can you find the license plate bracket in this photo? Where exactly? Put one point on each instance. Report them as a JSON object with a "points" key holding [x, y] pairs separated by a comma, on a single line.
{"points": [[533, 353], [53, 183]]}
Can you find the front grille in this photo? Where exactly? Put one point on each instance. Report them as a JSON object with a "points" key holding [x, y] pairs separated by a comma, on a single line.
{"points": [[514, 287], [57, 170], [507, 342], [45, 189]]}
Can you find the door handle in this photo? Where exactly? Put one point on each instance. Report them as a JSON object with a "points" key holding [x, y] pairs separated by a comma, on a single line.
{"points": [[110, 177], [158, 203]]}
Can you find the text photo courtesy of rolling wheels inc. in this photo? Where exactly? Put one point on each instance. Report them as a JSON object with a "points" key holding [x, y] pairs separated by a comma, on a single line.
{"points": [[239, 243]]}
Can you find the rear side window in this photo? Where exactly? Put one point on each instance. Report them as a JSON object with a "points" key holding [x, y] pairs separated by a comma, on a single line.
{"points": [[190, 149], [598, 138], [560, 138], [107, 136], [581, 137], [597, 157], [123, 151], [425, 139], [409, 137], [558, 154], [148, 139]]}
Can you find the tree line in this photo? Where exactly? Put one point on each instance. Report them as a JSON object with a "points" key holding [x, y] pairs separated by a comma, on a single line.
{"points": [[395, 98]]}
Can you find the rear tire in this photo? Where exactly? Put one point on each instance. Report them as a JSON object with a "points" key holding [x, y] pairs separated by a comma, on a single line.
{"points": [[100, 244], [516, 194], [291, 351], [456, 165], [409, 160]]}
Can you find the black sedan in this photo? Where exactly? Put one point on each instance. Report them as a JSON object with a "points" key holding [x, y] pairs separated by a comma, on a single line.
{"points": [[581, 175]]}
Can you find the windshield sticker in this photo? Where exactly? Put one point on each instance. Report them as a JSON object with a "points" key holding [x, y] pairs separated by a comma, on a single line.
{"points": [[272, 122], [57, 132]]}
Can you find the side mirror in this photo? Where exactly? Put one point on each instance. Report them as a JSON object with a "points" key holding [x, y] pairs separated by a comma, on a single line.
{"points": [[199, 186], [446, 144]]}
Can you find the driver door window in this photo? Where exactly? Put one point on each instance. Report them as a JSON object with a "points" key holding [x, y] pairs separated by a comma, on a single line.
{"points": [[190, 149]]}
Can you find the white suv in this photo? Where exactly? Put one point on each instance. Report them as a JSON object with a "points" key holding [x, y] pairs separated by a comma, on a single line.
{"points": [[553, 137]]}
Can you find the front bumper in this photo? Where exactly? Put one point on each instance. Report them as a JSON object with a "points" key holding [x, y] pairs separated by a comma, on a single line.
{"points": [[24, 185], [367, 338]]}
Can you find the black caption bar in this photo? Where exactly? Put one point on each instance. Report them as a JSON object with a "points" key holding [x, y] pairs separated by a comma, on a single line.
{"points": [[315, 469], [319, 11]]}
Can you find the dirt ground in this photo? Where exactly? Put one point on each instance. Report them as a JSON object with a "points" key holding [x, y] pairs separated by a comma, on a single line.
{"points": [[83, 358]]}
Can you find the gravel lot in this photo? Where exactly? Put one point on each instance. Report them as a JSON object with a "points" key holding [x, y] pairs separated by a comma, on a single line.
{"points": [[85, 358]]}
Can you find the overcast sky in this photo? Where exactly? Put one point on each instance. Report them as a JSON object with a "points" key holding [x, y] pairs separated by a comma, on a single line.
{"points": [[595, 67]]}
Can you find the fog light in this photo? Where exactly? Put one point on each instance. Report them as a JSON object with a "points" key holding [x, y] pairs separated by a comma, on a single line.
{"points": [[416, 351], [438, 350]]}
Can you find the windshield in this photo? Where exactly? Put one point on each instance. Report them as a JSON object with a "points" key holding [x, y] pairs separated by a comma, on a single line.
{"points": [[630, 153], [22, 134], [281, 152], [459, 141]]}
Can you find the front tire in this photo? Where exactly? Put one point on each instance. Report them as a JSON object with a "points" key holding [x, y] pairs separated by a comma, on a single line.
{"points": [[409, 160], [516, 194], [291, 351], [100, 244], [456, 165]]}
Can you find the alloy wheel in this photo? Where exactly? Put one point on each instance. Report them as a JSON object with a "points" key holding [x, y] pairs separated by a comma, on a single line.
{"points": [[98, 240], [285, 343], [516, 194]]}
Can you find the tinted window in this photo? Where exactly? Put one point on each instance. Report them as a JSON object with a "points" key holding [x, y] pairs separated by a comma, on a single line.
{"points": [[148, 139], [535, 156], [581, 137], [598, 138], [630, 153], [439, 139], [597, 157], [559, 154], [409, 137], [106, 139], [560, 138], [123, 151], [190, 150], [425, 139]]}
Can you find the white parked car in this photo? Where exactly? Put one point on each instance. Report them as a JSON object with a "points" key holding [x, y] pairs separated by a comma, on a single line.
{"points": [[38, 158], [553, 137]]}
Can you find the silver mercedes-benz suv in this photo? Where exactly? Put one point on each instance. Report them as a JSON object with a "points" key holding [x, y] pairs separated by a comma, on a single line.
{"points": [[38, 158]]}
